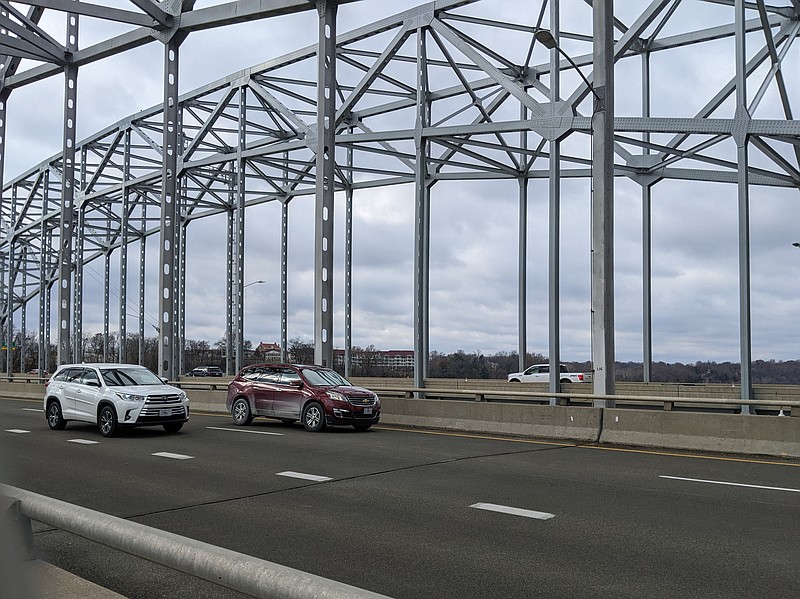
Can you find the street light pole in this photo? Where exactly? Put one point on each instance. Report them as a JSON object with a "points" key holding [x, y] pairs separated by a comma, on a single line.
{"points": [[602, 232]]}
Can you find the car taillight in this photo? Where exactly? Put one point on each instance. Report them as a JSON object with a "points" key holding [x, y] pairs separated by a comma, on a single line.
{"points": [[580, 377]]}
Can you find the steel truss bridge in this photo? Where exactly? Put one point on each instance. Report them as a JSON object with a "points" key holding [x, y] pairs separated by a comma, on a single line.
{"points": [[432, 94]]}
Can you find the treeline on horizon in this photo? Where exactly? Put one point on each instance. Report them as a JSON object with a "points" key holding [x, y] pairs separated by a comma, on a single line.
{"points": [[459, 364]]}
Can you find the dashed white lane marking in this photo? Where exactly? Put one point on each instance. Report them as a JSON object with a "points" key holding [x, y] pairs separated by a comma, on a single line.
{"points": [[173, 456], [314, 477], [514, 511], [242, 430], [83, 442], [17, 431], [729, 484], [33, 410]]}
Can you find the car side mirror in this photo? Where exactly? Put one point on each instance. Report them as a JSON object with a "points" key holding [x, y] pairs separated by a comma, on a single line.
{"points": [[298, 384], [93, 383]]}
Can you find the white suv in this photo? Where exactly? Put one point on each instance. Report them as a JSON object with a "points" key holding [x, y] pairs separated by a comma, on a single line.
{"points": [[113, 396]]}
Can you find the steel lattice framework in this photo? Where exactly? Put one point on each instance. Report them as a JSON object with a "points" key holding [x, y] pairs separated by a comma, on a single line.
{"points": [[413, 99]]}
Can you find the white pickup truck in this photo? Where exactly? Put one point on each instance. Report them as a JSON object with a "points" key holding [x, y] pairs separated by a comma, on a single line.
{"points": [[540, 373]]}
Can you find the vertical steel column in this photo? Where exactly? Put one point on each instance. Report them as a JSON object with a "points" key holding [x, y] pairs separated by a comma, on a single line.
{"points": [[181, 358], [142, 270], [554, 214], [77, 310], [603, 203], [422, 218], [12, 275], [238, 232], [169, 211], [285, 280], [67, 225], [740, 135], [522, 247], [647, 239], [326, 161], [348, 267], [44, 290], [230, 281], [23, 313], [106, 302], [123, 250], [4, 93]]}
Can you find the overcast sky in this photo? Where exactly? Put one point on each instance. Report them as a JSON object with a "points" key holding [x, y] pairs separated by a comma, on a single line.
{"points": [[474, 241]]}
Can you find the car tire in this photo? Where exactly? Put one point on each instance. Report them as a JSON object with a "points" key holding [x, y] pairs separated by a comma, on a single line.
{"points": [[173, 427], [107, 421], [514, 381], [55, 418], [314, 417], [362, 427], [565, 381], [288, 420], [240, 412]]}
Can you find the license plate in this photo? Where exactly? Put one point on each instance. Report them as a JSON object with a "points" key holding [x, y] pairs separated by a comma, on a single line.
{"points": [[167, 412], [367, 411]]}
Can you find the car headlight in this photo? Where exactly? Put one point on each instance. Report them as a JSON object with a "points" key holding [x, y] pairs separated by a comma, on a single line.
{"points": [[181, 395], [129, 396], [337, 396]]}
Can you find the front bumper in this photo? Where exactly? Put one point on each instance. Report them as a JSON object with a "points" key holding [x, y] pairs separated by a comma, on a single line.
{"points": [[350, 415]]}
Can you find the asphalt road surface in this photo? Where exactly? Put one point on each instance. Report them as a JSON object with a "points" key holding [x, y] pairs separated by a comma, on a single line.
{"points": [[413, 514]]}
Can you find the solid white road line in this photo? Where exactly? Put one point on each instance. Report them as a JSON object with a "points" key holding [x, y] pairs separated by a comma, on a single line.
{"points": [[83, 442], [243, 430], [514, 511], [314, 477], [720, 482], [174, 456], [18, 431]]}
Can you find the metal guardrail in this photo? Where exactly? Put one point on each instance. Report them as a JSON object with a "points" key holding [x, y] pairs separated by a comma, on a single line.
{"points": [[236, 571], [567, 398]]}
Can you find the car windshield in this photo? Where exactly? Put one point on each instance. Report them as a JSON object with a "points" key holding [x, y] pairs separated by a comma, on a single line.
{"points": [[125, 377], [322, 377]]}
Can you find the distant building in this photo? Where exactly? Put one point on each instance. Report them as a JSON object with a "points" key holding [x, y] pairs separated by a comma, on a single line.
{"points": [[269, 352], [395, 359]]}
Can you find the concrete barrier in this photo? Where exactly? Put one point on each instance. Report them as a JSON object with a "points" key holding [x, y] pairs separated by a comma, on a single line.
{"points": [[544, 422], [733, 433], [727, 433]]}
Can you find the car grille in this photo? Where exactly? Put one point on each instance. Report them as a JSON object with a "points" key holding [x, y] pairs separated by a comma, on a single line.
{"points": [[162, 399], [155, 406], [366, 400]]}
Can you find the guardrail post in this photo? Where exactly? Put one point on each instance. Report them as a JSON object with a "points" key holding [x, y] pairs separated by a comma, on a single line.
{"points": [[479, 397], [669, 405], [17, 531]]}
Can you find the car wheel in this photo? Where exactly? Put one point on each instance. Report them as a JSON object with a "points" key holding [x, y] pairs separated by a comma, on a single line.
{"points": [[240, 411], [173, 427], [107, 421], [361, 427], [565, 381], [514, 381], [288, 420], [314, 417], [55, 419]]}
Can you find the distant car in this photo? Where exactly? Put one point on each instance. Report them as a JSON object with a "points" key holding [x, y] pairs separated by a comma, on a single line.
{"points": [[113, 396], [205, 371], [317, 396], [540, 373], [35, 371]]}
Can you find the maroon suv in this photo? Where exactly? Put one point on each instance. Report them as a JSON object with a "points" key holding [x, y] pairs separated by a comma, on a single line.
{"points": [[318, 396]]}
